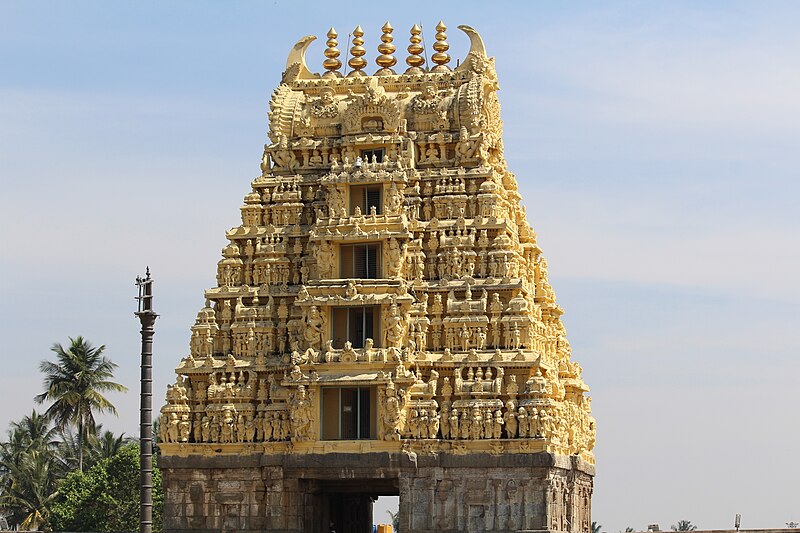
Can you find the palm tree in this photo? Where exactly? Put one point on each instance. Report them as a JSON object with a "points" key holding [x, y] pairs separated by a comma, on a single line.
{"points": [[75, 383], [67, 453], [395, 520], [596, 528], [29, 470], [35, 429], [30, 487], [107, 445], [32, 433], [97, 445], [684, 525]]}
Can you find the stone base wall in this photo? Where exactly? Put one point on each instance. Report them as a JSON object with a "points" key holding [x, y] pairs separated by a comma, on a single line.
{"points": [[445, 493]]}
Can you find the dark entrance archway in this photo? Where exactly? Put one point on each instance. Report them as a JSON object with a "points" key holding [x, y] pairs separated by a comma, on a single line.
{"points": [[345, 505]]}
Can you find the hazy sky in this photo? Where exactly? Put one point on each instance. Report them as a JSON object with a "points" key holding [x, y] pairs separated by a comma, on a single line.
{"points": [[657, 146]]}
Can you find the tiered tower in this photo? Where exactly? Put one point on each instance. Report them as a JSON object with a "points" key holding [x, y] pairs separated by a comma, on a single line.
{"points": [[382, 321]]}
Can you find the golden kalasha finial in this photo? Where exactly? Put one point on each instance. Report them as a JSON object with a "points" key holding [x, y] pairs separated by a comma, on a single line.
{"points": [[441, 57], [332, 64], [386, 60], [415, 60], [357, 63]]}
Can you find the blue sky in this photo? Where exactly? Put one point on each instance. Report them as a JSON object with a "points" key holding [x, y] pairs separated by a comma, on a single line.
{"points": [[656, 146]]}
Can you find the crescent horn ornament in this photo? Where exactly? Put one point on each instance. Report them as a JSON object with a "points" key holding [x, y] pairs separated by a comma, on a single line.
{"points": [[475, 45], [297, 56]]}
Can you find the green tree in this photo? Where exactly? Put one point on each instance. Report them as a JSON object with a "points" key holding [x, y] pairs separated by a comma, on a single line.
{"points": [[98, 445], [30, 490], [683, 525], [107, 445], [75, 383], [395, 521], [29, 471], [68, 450], [35, 431], [106, 496], [156, 433]]}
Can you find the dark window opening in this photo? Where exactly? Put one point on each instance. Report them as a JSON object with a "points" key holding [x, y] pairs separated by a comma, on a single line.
{"points": [[365, 197], [361, 261], [348, 413], [354, 324], [375, 155]]}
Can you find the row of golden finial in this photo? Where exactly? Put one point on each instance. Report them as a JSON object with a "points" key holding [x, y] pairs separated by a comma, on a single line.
{"points": [[386, 60]]}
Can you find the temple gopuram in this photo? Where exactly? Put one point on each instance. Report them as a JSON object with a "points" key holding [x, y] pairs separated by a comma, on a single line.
{"points": [[382, 322]]}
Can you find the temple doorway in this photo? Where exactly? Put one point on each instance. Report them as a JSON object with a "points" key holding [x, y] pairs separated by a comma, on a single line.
{"points": [[347, 505]]}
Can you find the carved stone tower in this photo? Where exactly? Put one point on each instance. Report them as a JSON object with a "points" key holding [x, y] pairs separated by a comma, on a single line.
{"points": [[382, 322]]}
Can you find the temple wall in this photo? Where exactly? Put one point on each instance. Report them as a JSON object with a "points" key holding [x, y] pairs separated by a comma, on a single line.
{"points": [[477, 492]]}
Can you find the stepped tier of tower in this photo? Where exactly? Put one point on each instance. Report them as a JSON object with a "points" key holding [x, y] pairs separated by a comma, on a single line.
{"points": [[384, 262]]}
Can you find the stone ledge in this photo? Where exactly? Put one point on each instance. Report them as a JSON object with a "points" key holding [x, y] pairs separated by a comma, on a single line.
{"points": [[203, 461], [384, 460]]}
